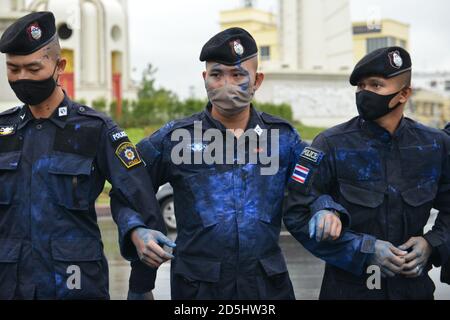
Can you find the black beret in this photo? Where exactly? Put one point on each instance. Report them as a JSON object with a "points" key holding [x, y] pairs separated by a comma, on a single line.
{"points": [[386, 62], [28, 34], [230, 47]]}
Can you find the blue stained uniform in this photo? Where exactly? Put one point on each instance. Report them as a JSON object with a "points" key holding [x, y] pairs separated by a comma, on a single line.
{"points": [[51, 172], [228, 215], [388, 184]]}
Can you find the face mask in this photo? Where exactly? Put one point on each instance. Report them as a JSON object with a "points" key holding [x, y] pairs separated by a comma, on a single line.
{"points": [[372, 106], [34, 92], [230, 100]]}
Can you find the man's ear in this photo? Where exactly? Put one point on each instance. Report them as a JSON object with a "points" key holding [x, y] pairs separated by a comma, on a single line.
{"points": [[204, 75], [405, 94], [62, 66], [259, 80]]}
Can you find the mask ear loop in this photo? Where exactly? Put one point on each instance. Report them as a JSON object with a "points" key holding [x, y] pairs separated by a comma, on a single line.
{"points": [[399, 103], [56, 67]]}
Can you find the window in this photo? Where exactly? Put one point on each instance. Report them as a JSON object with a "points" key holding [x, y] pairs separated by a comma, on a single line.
{"points": [[447, 85], [377, 43], [265, 53]]}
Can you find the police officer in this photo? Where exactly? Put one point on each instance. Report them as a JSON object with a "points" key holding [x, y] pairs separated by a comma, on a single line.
{"points": [[388, 172], [229, 212], [445, 271], [55, 155]]}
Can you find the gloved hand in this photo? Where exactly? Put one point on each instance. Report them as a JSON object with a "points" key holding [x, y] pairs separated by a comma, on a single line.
{"points": [[389, 258], [417, 258], [325, 225], [148, 247], [140, 296]]}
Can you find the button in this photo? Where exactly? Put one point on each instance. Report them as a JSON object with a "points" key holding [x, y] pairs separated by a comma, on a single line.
{"points": [[82, 109], [39, 126]]}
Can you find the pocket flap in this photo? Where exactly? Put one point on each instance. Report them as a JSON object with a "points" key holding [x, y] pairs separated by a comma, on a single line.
{"points": [[421, 194], [197, 269], [360, 196], [76, 250], [274, 264], [9, 160], [71, 164], [10, 251]]}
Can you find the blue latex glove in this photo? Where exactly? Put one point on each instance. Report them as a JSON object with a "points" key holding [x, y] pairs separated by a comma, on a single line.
{"points": [[325, 225], [389, 258], [149, 245]]}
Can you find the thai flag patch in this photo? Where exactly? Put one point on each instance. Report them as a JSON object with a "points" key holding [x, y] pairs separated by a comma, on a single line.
{"points": [[301, 174]]}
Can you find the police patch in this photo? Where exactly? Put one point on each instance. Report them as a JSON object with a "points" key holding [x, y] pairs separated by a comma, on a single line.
{"points": [[7, 131], [118, 135], [312, 155], [128, 155]]}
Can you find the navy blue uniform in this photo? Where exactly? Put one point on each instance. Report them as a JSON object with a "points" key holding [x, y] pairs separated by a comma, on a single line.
{"points": [[228, 215], [388, 184], [445, 272], [51, 172]]}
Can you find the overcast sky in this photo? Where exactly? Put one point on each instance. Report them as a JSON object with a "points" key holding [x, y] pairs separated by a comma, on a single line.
{"points": [[170, 34]]}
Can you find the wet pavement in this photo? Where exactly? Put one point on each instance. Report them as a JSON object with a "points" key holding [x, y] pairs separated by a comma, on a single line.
{"points": [[305, 270]]}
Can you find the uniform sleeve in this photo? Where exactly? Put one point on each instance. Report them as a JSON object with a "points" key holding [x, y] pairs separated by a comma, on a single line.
{"points": [[142, 277], [133, 203], [439, 236], [309, 191]]}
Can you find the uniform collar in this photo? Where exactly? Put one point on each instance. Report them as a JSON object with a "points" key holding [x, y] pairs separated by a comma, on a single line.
{"points": [[255, 122], [373, 130], [58, 117]]}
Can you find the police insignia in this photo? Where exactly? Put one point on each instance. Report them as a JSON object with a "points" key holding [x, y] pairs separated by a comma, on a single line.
{"points": [[7, 130], [312, 155], [128, 154]]}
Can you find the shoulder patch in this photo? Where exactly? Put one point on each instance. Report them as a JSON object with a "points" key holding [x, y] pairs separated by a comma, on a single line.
{"points": [[118, 135], [128, 155], [301, 174], [7, 130], [312, 155], [10, 111]]}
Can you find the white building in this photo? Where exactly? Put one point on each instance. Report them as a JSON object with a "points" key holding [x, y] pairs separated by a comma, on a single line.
{"points": [[9, 11], [94, 39], [316, 60], [437, 82], [317, 98], [316, 35]]}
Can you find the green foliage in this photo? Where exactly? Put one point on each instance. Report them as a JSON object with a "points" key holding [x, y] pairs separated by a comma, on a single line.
{"points": [[157, 106], [283, 110]]}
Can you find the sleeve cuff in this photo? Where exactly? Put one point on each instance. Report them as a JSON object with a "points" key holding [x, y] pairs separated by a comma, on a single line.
{"points": [[127, 248], [440, 254], [142, 278], [326, 202]]}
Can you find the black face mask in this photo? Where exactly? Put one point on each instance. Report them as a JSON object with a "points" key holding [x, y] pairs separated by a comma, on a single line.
{"points": [[34, 92], [372, 106]]}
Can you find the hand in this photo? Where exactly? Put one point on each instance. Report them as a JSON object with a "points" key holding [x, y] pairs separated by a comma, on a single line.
{"points": [[140, 296], [417, 259], [325, 225], [148, 247], [389, 258]]}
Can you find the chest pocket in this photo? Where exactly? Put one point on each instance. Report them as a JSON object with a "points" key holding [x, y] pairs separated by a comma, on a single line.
{"points": [[70, 178], [9, 164], [421, 162], [362, 204], [358, 164]]}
